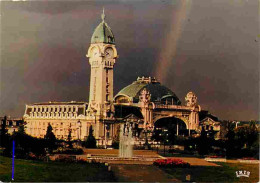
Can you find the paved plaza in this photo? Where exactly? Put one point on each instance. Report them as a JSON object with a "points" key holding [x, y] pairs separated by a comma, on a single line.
{"points": [[141, 157], [141, 173]]}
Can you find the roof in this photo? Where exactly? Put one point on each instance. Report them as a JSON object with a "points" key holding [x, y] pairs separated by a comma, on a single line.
{"points": [[8, 118], [205, 114], [208, 119], [60, 103], [157, 91], [103, 33]]}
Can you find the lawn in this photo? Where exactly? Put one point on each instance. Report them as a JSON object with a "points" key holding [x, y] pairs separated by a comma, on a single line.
{"points": [[37, 171], [225, 173]]}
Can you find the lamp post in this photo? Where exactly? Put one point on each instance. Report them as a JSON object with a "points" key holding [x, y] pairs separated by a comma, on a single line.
{"points": [[146, 144], [177, 129], [165, 139], [236, 122], [106, 129], [79, 123], [96, 131]]}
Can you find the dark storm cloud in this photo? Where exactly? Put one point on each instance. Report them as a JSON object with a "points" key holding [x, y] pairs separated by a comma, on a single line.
{"points": [[44, 45], [46, 7], [220, 52]]}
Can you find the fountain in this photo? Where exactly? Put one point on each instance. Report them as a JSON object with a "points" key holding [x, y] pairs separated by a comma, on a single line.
{"points": [[125, 154], [125, 142]]}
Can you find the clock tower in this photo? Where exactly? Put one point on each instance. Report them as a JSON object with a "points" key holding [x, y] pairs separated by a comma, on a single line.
{"points": [[102, 56]]}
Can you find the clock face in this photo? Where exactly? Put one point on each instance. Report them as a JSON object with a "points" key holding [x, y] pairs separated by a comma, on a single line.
{"points": [[109, 53], [94, 52]]}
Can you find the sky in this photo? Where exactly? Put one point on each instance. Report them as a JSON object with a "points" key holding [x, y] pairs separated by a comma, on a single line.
{"points": [[209, 47]]}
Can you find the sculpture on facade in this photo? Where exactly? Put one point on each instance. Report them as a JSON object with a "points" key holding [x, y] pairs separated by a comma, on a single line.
{"points": [[191, 99]]}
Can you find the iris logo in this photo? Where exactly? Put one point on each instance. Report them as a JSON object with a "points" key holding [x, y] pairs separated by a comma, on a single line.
{"points": [[242, 173]]}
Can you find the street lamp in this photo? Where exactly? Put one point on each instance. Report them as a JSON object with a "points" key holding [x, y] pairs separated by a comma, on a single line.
{"points": [[79, 123], [146, 130], [96, 126], [236, 122], [165, 139], [106, 130]]}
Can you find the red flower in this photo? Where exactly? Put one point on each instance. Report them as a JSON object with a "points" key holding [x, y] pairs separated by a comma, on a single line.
{"points": [[170, 162]]}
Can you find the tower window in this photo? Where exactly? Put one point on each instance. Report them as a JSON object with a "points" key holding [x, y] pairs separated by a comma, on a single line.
{"points": [[107, 75]]}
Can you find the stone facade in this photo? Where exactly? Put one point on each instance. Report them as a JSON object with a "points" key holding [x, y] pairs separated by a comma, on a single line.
{"points": [[61, 115], [146, 99], [152, 110]]}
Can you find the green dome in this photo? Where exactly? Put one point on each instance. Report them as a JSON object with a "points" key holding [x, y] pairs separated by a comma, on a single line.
{"points": [[159, 93], [103, 33]]}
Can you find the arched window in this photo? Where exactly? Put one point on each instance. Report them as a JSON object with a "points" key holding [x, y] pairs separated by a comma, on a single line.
{"points": [[122, 99]]}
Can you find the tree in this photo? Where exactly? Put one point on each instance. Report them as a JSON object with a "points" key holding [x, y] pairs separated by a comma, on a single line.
{"points": [[69, 137], [50, 138], [246, 138], [230, 140], [21, 128], [4, 135], [91, 141], [203, 143], [252, 136]]}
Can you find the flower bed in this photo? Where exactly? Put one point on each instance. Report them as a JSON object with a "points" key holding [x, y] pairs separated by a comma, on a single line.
{"points": [[169, 162]]}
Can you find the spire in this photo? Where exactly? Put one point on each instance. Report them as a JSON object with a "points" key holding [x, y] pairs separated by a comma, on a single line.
{"points": [[103, 15], [102, 33]]}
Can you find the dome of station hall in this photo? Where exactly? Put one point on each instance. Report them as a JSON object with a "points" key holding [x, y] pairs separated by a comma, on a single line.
{"points": [[159, 93], [103, 33]]}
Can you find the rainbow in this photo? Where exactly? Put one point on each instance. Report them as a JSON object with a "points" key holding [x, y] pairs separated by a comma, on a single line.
{"points": [[170, 41]]}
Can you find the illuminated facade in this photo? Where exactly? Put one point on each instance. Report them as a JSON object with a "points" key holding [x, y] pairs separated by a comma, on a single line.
{"points": [[145, 103]]}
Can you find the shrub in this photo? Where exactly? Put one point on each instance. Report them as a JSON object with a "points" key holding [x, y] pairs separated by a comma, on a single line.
{"points": [[66, 159], [69, 151], [91, 141], [81, 161], [115, 144]]}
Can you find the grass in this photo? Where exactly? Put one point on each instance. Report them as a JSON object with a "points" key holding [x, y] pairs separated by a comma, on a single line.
{"points": [[225, 173], [37, 171]]}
